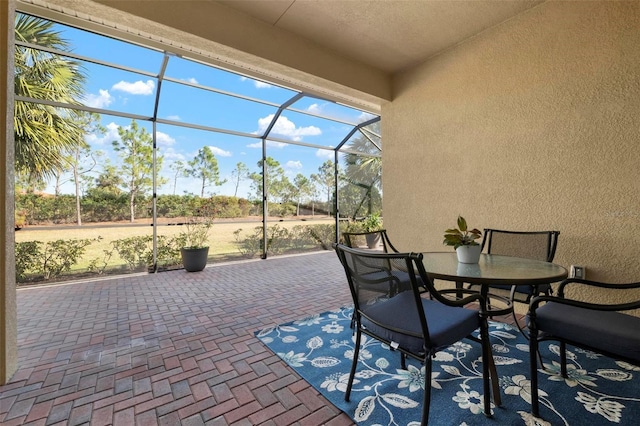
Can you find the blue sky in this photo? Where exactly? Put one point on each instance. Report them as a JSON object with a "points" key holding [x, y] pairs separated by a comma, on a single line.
{"points": [[134, 93]]}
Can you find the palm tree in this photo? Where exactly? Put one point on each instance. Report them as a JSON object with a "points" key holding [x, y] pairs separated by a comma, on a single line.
{"points": [[365, 171], [44, 134]]}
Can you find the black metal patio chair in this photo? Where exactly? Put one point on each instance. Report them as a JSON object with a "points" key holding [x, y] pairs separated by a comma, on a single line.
{"points": [[538, 245], [377, 240], [409, 323], [602, 328]]}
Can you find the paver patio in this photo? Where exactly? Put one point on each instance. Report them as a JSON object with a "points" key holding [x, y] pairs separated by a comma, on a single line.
{"points": [[171, 348]]}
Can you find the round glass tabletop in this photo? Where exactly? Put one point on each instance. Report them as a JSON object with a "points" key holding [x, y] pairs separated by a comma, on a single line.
{"points": [[492, 269]]}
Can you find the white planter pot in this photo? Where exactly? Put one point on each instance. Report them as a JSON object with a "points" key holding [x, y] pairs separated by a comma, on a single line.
{"points": [[469, 254]]}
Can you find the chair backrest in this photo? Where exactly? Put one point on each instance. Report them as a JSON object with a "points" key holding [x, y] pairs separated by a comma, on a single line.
{"points": [[376, 290], [538, 245], [376, 240]]}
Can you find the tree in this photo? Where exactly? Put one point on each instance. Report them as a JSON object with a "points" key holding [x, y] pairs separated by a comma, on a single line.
{"points": [[109, 180], [303, 189], [135, 148], [240, 172], [81, 160], [314, 178], [365, 171], [205, 167], [179, 170], [44, 134], [326, 178], [277, 182]]}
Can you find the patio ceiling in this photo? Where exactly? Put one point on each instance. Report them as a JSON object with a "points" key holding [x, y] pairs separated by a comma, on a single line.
{"points": [[340, 49], [389, 35]]}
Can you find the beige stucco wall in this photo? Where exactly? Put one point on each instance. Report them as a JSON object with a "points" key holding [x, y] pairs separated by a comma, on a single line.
{"points": [[8, 315], [532, 125]]}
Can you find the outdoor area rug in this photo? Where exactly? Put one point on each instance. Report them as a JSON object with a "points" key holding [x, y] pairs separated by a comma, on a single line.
{"points": [[598, 391]]}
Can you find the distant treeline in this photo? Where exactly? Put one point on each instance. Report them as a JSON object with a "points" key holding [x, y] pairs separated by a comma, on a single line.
{"points": [[42, 209]]}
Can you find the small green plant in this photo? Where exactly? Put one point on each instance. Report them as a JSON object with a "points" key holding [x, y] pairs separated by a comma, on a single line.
{"points": [[249, 246], [168, 251], [371, 223], [196, 233], [133, 250], [99, 265], [323, 234], [461, 236], [198, 226], [278, 239]]}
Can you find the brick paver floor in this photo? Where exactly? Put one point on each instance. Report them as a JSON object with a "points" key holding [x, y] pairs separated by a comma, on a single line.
{"points": [[171, 348]]}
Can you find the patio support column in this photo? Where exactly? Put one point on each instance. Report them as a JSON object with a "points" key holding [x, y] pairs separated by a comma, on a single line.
{"points": [[8, 315]]}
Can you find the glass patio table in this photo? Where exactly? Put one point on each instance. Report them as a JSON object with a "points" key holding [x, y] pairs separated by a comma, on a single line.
{"points": [[492, 269]]}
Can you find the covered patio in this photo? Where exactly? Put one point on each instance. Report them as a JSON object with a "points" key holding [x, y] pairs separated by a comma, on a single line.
{"points": [[172, 347], [529, 122]]}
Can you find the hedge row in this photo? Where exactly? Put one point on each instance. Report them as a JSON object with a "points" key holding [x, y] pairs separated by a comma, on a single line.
{"points": [[41, 209]]}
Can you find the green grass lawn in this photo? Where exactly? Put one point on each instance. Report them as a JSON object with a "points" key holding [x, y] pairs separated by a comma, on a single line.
{"points": [[222, 241]]}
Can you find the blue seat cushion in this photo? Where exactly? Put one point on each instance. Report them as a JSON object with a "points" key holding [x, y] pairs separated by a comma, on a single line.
{"points": [[446, 324], [612, 332]]}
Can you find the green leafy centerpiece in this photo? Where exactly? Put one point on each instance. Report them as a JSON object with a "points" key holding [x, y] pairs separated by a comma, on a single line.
{"points": [[464, 241]]}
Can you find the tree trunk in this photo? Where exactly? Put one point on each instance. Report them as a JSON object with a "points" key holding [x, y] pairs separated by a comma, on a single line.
{"points": [[76, 181], [132, 206]]}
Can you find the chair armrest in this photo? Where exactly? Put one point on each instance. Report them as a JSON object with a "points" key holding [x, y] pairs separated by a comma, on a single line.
{"points": [[473, 296], [535, 303], [592, 283], [560, 298]]}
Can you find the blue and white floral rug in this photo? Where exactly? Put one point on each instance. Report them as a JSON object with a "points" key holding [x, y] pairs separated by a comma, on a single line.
{"points": [[599, 390]]}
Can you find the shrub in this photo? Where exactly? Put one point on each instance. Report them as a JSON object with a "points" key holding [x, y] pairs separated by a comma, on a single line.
{"points": [[323, 234], [48, 260], [300, 238], [27, 254], [251, 245], [60, 255], [134, 250]]}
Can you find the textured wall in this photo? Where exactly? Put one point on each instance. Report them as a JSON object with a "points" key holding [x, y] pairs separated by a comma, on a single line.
{"points": [[532, 125], [8, 313]]}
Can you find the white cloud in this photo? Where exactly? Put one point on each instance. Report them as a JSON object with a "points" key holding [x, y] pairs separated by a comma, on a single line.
{"points": [[270, 144], [172, 154], [110, 135], [286, 127], [191, 80], [261, 84], [174, 117], [256, 83], [294, 164], [137, 88], [220, 152], [315, 108], [164, 139], [325, 153], [101, 100]]}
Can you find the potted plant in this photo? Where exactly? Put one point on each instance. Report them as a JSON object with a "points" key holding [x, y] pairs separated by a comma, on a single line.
{"points": [[372, 223], [195, 248], [464, 241]]}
